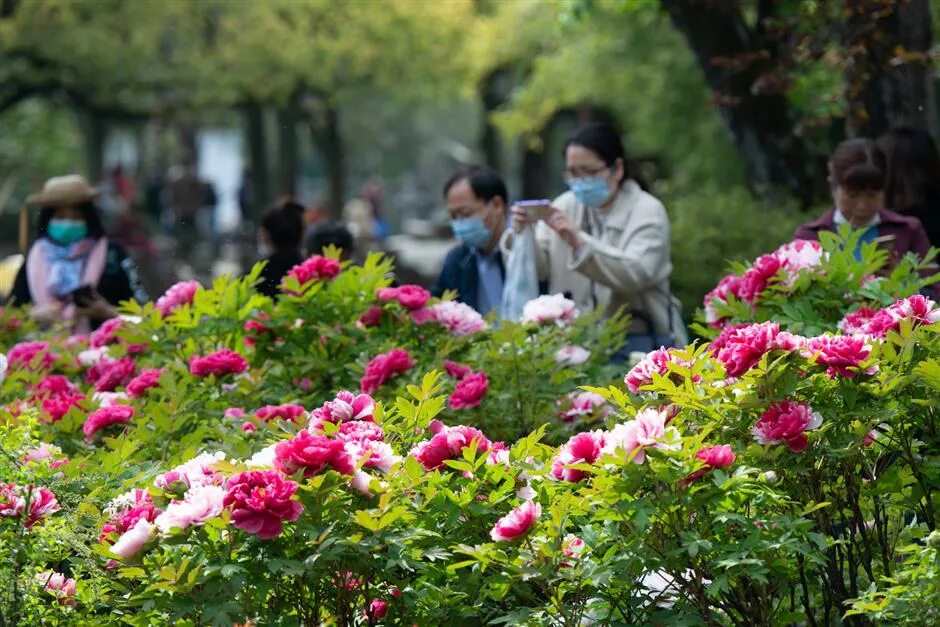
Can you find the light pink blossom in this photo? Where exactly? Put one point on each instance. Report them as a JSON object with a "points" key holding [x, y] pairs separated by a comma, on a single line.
{"points": [[199, 505], [135, 539], [457, 318], [182, 293], [572, 355], [550, 308]]}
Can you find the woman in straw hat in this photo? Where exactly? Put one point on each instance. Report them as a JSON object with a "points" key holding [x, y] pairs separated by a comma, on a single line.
{"points": [[72, 272]]}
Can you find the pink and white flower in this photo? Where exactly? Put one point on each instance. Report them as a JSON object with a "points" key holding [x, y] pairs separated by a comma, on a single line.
{"points": [[787, 422], [843, 354], [516, 523], [199, 505], [582, 448], [572, 355], [647, 429], [586, 406], [550, 308], [456, 318], [135, 539], [180, 294], [656, 362]]}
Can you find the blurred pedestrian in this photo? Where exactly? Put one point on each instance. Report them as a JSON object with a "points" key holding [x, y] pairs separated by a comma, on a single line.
{"points": [[606, 241], [478, 204], [279, 236], [857, 179], [912, 184], [72, 272], [326, 233]]}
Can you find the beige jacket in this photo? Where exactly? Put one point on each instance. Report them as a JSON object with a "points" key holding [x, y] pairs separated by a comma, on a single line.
{"points": [[623, 262]]}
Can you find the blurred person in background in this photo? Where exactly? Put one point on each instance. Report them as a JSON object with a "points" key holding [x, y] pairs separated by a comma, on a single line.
{"points": [[857, 178], [478, 204], [190, 203], [912, 183], [279, 235], [325, 233], [606, 241], [73, 273]]}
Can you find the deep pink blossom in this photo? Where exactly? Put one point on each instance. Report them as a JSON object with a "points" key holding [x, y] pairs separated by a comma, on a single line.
{"points": [[720, 456], [105, 417], [56, 406], [744, 346], [106, 333], [31, 356], [728, 286], [383, 367], [448, 443], [410, 297], [843, 354], [182, 293], [314, 269], [107, 376], [377, 610], [786, 422], [857, 321], [582, 448], [457, 370], [219, 363], [59, 585], [759, 276], [260, 501], [147, 379], [54, 384], [312, 453], [656, 362], [516, 523], [288, 411], [469, 391], [371, 317]]}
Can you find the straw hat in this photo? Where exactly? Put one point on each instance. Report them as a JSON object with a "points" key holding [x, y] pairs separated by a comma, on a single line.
{"points": [[60, 191]]}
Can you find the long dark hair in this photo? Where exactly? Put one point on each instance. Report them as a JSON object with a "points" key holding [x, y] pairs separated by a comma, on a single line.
{"points": [[89, 214], [858, 165], [284, 222], [604, 140], [913, 168]]}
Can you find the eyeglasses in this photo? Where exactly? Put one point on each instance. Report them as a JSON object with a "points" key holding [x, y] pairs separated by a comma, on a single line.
{"points": [[583, 173]]}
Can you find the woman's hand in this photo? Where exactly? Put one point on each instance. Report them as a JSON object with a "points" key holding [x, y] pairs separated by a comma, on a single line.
{"points": [[526, 214], [561, 223], [46, 314], [97, 308]]}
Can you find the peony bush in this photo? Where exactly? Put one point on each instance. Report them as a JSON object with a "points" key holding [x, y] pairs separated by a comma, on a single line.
{"points": [[357, 454]]}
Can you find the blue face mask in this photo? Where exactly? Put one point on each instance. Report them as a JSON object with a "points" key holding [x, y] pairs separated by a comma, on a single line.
{"points": [[590, 192], [472, 232], [67, 231]]}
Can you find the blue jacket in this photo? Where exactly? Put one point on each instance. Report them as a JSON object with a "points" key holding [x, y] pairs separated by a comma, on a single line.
{"points": [[460, 273]]}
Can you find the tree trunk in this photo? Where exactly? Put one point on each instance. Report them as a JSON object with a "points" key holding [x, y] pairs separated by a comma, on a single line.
{"points": [[288, 150], [95, 133], [535, 166], [258, 168], [738, 66], [324, 126], [888, 75], [494, 91]]}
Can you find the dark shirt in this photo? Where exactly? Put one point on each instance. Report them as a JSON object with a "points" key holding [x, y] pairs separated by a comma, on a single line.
{"points": [[278, 265], [908, 232], [460, 273], [119, 280]]}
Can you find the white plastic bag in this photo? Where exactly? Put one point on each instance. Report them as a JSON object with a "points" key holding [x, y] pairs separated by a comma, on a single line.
{"points": [[522, 282]]}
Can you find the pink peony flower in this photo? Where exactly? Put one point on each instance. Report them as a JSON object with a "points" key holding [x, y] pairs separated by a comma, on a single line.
{"points": [[760, 275], [377, 610], [106, 333], [149, 378], [219, 363], [572, 355], [843, 354], [572, 546], [196, 472], [199, 505], [554, 308], [289, 412], [346, 406], [800, 254], [516, 523], [857, 321], [371, 317], [48, 453], [360, 431], [448, 443], [410, 297], [58, 405], [744, 346], [588, 406], [260, 500], [61, 587], [107, 376], [312, 453], [314, 269], [105, 417], [180, 294], [234, 412], [786, 423], [728, 286], [720, 456], [456, 370], [656, 362], [54, 384], [469, 391], [12, 503], [789, 342], [42, 503], [582, 448], [383, 367], [647, 429], [456, 318], [133, 541], [31, 356], [253, 331]]}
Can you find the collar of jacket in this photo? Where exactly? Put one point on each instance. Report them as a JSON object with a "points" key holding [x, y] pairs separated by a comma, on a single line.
{"points": [[620, 209]]}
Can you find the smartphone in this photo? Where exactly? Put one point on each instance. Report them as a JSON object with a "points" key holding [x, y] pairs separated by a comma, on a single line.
{"points": [[532, 207], [886, 242], [82, 295]]}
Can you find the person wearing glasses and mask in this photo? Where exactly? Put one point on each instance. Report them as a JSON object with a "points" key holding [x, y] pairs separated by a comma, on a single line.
{"points": [[477, 203], [605, 242]]}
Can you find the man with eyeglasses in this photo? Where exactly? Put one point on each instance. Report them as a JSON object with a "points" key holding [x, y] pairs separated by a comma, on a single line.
{"points": [[477, 202]]}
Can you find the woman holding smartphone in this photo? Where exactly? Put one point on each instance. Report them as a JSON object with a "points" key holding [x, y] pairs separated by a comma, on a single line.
{"points": [[605, 242], [72, 272]]}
